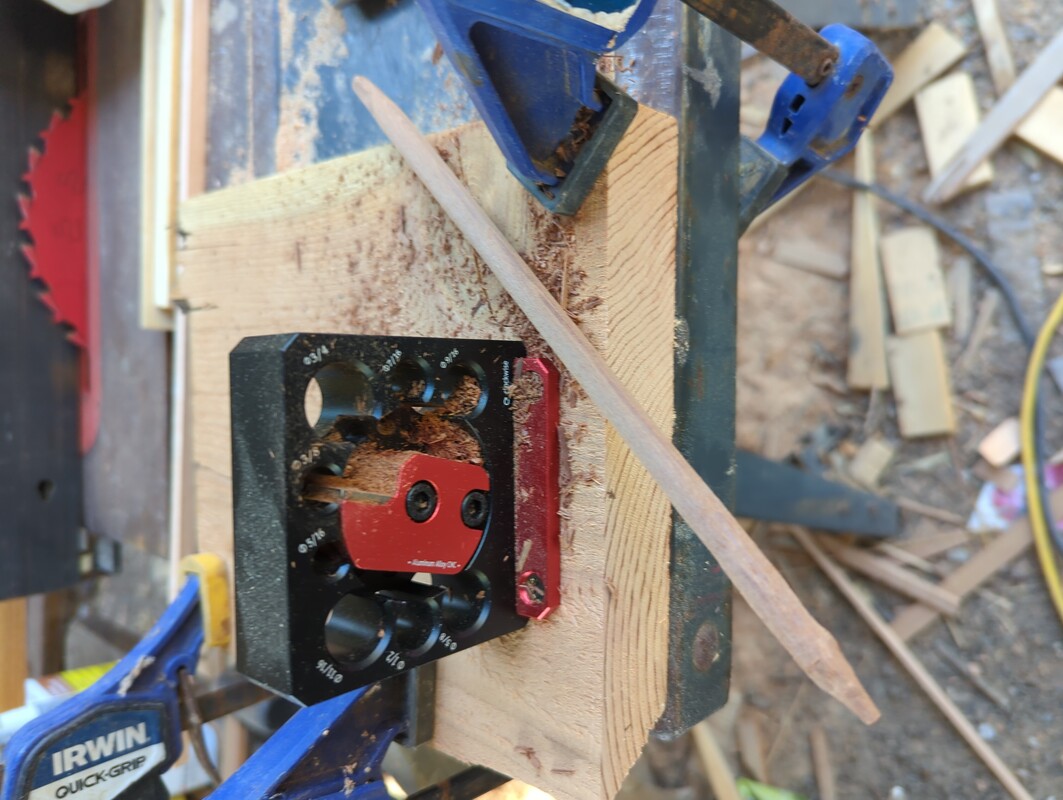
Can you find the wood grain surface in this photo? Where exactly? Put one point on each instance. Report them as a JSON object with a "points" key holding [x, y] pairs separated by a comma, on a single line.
{"points": [[356, 245]]}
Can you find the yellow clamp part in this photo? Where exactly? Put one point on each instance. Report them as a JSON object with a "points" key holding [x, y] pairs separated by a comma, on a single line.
{"points": [[213, 596]]}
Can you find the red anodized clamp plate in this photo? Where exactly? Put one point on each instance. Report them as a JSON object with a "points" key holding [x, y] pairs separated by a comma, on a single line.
{"points": [[383, 537], [538, 538]]}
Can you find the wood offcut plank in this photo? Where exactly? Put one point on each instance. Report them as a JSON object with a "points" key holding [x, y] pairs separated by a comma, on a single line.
{"points": [[1041, 129], [867, 368], [948, 115], [1005, 117], [997, 50], [911, 262], [357, 245], [921, 385], [984, 564], [930, 55]]}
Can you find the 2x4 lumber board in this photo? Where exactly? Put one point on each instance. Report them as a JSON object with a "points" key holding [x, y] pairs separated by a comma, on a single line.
{"points": [[911, 262], [14, 664], [896, 645], [921, 385], [932, 53], [867, 368], [1041, 129], [983, 565], [1021, 99], [995, 40], [357, 245], [814, 649], [948, 115], [890, 573]]}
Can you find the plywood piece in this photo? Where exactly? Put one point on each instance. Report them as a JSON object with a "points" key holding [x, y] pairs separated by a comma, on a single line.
{"points": [[930, 55], [911, 263], [921, 385], [948, 115], [871, 461], [356, 245], [867, 367], [1041, 129], [1003, 444]]}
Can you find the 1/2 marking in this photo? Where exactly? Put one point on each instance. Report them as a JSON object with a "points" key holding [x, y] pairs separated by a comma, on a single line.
{"points": [[395, 660]]}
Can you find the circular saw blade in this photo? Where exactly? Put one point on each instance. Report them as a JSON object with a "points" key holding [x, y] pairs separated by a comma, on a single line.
{"points": [[54, 215]]}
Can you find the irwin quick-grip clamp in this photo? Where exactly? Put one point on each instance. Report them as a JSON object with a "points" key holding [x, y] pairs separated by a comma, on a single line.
{"points": [[529, 66], [116, 738]]}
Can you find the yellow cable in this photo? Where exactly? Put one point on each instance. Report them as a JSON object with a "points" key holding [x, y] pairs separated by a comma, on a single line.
{"points": [[1035, 502]]}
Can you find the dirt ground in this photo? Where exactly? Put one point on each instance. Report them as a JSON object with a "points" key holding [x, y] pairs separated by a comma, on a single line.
{"points": [[793, 342]]}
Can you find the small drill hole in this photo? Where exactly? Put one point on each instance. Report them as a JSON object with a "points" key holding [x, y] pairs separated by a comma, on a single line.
{"points": [[45, 489]]}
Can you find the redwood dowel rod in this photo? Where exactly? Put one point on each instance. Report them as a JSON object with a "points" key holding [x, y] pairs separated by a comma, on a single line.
{"points": [[770, 597]]}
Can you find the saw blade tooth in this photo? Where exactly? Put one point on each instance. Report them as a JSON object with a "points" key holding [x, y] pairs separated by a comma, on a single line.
{"points": [[24, 210], [48, 300], [31, 257]]}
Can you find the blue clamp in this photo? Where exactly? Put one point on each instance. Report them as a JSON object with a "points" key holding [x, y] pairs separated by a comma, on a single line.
{"points": [[330, 751], [121, 732], [811, 127], [529, 66]]}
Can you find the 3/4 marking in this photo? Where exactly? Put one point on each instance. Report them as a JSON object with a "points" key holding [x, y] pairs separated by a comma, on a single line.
{"points": [[317, 355]]}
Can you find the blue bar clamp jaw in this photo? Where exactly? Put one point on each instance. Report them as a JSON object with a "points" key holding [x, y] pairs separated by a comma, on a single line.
{"points": [[529, 66], [122, 732], [811, 127]]}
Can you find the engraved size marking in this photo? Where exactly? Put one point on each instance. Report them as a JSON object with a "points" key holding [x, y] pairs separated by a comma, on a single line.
{"points": [[307, 458], [449, 359], [316, 356], [392, 362], [311, 541], [506, 399], [329, 671], [395, 660], [448, 642]]}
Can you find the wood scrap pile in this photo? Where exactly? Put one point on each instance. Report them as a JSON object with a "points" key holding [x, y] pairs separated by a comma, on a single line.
{"points": [[917, 328]]}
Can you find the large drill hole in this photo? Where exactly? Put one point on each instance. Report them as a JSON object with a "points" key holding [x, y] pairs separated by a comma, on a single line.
{"points": [[338, 390]]}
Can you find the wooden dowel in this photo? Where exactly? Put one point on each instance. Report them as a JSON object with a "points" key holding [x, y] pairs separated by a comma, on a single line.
{"points": [[822, 764], [891, 574], [914, 667], [770, 597]]}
